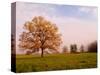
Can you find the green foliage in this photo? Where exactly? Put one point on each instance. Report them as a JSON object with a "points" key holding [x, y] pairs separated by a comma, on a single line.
{"points": [[30, 63]]}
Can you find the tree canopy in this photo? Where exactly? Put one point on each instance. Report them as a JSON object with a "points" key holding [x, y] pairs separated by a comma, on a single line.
{"points": [[40, 34]]}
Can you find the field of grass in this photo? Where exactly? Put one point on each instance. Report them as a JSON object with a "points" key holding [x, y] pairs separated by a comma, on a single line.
{"points": [[31, 63]]}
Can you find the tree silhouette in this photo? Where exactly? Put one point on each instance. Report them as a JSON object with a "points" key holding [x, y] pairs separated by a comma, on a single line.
{"points": [[73, 48], [12, 44], [40, 34], [92, 47], [81, 48], [28, 52], [65, 49]]}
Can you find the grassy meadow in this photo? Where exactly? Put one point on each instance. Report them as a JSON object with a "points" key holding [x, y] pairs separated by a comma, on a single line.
{"points": [[34, 63]]}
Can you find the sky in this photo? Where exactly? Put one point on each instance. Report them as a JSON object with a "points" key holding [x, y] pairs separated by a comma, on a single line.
{"points": [[77, 24]]}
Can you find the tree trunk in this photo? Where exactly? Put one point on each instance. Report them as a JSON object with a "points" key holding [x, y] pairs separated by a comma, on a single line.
{"points": [[41, 52]]}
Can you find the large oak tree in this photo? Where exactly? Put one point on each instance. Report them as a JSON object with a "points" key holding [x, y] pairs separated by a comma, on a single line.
{"points": [[40, 34]]}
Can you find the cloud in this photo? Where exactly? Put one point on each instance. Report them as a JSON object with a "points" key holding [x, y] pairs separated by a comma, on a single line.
{"points": [[89, 10]]}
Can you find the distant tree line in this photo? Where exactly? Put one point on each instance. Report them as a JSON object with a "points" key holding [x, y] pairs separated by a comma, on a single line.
{"points": [[92, 47]]}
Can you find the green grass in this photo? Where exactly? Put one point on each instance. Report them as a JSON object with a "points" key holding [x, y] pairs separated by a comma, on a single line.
{"points": [[31, 63]]}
